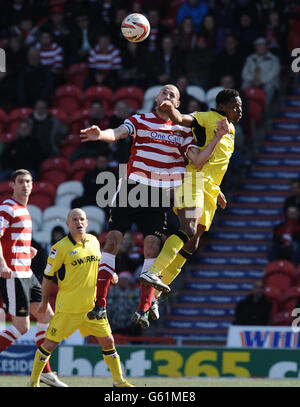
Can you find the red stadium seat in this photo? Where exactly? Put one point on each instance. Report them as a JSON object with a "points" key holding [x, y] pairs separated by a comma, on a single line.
{"points": [[60, 114], [3, 120], [55, 170], [43, 194], [15, 117], [80, 167], [5, 190], [275, 296], [68, 98], [133, 95], [77, 73], [7, 137], [283, 318], [56, 163], [69, 145], [256, 107], [280, 274], [290, 298], [104, 93], [77, 120]]}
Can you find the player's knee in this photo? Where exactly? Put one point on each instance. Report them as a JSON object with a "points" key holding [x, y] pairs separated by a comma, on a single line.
{"points": [[107, 342], [113, 241], [190, 228], [152, 246]]}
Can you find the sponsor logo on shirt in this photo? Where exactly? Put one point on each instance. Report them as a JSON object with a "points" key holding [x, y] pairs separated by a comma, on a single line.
{"points": [[53, 253]]}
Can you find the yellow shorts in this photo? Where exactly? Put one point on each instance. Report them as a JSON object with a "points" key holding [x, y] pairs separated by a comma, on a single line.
{"points": [[190, 193], [63, 324], [206, 198]]}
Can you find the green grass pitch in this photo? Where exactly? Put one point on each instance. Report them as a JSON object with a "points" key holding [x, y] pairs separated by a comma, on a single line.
{"points": [[75, 381]]}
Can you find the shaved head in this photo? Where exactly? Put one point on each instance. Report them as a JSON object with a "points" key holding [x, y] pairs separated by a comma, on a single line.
{"points": [[76, 211]]}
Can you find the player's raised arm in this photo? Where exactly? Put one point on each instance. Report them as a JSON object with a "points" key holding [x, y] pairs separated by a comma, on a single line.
{"points": [[94, 133], [174, 114], [199, 157]]}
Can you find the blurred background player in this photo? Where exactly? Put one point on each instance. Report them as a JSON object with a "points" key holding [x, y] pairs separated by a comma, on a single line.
{"points": [[75, 259], [20, 288]]}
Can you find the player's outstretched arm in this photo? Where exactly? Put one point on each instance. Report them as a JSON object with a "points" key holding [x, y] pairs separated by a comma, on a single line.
{"points": [[199, 157], [174, 114], [94, 133]]}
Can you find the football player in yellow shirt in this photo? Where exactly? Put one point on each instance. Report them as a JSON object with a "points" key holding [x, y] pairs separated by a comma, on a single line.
{"points": [[177, 250], [75, 261]]}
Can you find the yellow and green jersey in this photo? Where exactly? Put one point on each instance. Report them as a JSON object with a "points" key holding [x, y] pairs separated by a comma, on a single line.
{"points": [[75, 265], [215, 168]]}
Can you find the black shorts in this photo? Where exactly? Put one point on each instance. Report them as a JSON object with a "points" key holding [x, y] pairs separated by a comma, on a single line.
{"points": [[18, 293], [150, 216]]}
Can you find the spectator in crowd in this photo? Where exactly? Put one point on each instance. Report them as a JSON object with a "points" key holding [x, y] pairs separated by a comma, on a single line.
{"points": [[106, 58], [246, 7], [27, 31], [255, 309], [58, 29], [182, 84], [276, 35], [24, 151], [122, 301], [286, 238], [83, 36], [129, 256], [116, 34], [157, 32], [186, 35], [35, 81], [225, 12], [51, 56], [229, 61], [96, 117], [294, 197], [47, 130], [133, 71], [199, 64], [15, 56], [196, 9], [8, 99], [264, 8], [121, 149], [246, 31], [90, 187], [213, 34], [262, 69], [57, 233], [168, 63]]}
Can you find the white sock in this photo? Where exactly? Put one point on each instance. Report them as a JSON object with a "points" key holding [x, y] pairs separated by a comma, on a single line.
{"points": [[108, 262], [40, 331], [147, 264]]}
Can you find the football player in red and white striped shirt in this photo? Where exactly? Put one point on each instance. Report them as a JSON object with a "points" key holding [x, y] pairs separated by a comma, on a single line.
{"points": [[20, 289], [157, 161]]}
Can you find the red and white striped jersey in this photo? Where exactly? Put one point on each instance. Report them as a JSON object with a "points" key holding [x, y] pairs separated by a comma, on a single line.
{"points": [[105, 61], [16, 234], [52, 57], [158, 150]]}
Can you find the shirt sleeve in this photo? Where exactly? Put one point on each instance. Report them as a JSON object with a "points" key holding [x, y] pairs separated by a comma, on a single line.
{"points": [[130, 126], [54, 262], [198, 128], [6, 217]]}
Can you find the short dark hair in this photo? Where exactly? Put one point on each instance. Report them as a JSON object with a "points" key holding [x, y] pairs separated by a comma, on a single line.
{"points": [[21, 171], [225, 96]]}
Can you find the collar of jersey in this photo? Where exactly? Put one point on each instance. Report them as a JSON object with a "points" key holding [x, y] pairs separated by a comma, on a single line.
{"points": [[73, 241], [219, 112]]}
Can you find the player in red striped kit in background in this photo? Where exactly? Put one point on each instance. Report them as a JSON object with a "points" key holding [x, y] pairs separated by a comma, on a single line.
{"points": [[20, 289], [159, 148]]}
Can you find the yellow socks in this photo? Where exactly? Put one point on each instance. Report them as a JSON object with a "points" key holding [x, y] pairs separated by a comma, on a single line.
{"points": [[41, 358], [171, 272], [112, 359], [169, 252]]}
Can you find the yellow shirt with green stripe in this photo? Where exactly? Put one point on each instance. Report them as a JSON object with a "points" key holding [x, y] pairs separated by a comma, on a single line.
{"points": [[215, 168], [75, 265]]}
